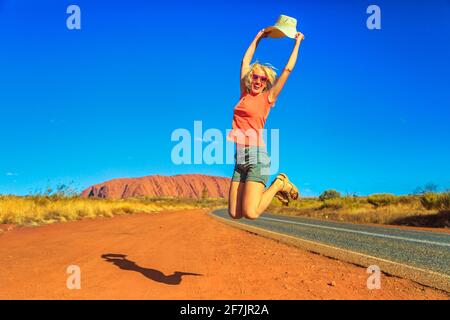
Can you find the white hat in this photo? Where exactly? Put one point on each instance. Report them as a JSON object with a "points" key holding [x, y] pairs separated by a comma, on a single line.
{"points": [[285, 26]]}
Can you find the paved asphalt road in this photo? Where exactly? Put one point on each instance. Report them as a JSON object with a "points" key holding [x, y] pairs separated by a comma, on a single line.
{"points": [[420, 249]]}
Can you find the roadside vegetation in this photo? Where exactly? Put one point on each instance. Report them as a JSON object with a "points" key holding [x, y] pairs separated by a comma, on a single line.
{"points": [[63, 204], [36, 210], [427, 209]]}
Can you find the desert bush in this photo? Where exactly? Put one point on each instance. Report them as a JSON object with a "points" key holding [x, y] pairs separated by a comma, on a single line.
{"points": [[382, 199], [438, 201], [329, 194], [334, 204], [430, 200], [428, 188], [444, 201]]}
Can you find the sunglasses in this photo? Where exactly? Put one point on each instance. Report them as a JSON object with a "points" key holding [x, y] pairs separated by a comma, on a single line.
{"points": [[256, 77]]}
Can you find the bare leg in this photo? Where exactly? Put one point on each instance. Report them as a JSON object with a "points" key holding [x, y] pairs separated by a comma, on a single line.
{"points": [[256, 199], [235, 199]]}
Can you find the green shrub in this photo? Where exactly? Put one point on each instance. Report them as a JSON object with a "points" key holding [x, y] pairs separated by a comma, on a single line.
{"points": [[352, 202], [329, 194], [430, 200], [334, 204], [437, 201], [444, 201], [382, 199]]}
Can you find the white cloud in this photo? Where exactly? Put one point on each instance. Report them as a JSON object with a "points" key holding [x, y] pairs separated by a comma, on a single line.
{"points": [[11, 174]]}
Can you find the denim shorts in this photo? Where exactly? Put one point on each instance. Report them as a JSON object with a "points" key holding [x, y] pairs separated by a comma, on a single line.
{"points": [[252, 164]]}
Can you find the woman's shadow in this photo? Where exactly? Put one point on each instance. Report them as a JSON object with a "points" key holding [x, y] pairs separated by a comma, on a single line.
{"points": [[123, 263]]}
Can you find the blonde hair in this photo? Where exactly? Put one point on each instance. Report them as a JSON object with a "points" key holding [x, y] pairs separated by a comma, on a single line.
{"points": [[268, 69]]}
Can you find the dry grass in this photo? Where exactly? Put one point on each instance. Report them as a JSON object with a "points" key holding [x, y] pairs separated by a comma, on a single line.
{"points": [[36, 210], [380, 209], [426, 210]]}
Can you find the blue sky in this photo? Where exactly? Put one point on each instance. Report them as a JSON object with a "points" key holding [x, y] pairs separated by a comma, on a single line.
{"points": [[365, 111]]}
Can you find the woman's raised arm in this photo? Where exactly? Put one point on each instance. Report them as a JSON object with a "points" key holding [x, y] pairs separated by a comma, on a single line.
{"points": [[245, 64], [276, 89]]}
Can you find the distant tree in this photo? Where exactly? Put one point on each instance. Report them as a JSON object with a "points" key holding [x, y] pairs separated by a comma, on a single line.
{"points": [[329, 194], [65, 190], [61, 190], [428, 188], [351, 195]]}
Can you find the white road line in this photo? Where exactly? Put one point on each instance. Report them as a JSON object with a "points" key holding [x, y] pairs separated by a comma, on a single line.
{"points": [[359, 232]]}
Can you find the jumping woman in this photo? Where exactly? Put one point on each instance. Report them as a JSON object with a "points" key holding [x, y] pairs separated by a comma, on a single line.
{"points": [[260, 87]]}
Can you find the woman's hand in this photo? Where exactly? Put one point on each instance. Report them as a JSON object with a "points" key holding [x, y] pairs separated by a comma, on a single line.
{"points": [[261, 34], [299, 37]]}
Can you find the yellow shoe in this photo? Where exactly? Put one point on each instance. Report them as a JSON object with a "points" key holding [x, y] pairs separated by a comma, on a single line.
{"points": [[289, 190]]}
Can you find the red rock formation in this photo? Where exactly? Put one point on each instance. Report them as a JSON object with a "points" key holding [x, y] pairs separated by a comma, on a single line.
{"points": [[184, 186]]}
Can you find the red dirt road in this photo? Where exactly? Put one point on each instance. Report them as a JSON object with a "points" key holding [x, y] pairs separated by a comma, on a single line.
{"points": [[230, 263]]}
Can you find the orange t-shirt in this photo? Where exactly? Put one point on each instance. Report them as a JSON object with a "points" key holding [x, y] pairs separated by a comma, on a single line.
{"points": [[249, 118]]}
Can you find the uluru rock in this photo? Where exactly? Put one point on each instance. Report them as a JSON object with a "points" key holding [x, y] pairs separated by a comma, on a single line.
{"points": [[183, 186]]}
